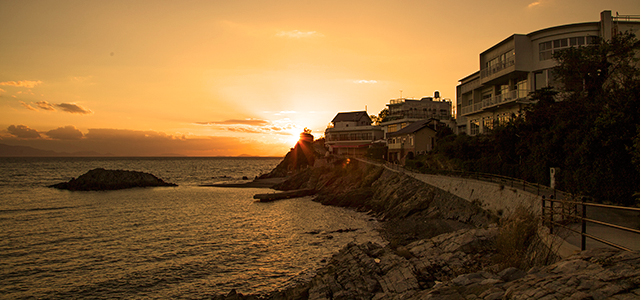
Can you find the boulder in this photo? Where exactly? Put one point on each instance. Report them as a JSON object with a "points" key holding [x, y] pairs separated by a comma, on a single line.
{"points": [[100, 179]]}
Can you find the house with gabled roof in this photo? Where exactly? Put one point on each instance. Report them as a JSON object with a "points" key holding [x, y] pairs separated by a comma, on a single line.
{"points": [[351, 133], [414, 139]]}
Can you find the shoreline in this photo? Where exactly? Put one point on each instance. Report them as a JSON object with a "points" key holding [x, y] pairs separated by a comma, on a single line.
{"points": [[439, 245], [256, 183]]}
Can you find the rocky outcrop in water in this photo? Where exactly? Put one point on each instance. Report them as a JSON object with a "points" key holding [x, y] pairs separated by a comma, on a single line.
{"points": [[100, 179]]}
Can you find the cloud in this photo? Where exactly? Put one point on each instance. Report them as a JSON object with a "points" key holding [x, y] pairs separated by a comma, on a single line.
{"points": [[65, 133], [23, 132], [252, 122], [125, 142], [28, 106], [365, 81], [22, 83], [297, 34], [45, 105], [533, 4], [244, 129], [73, 108]]}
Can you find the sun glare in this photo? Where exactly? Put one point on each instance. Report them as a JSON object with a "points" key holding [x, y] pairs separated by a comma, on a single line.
{"points": [[294, 136]]}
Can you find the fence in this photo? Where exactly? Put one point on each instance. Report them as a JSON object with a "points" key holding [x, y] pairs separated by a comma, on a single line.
{"points": [[568, 211]]}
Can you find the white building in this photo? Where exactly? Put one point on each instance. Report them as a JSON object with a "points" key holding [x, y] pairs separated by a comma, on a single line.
{"points": [[351, 133], [405, 111], [520, 64]]}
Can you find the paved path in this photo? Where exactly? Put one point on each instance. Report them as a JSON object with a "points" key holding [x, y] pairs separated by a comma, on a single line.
{"points": [[630, 219]]}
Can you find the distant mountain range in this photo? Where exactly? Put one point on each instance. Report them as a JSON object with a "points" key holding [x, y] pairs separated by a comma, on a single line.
{"points": [[25, 151]]}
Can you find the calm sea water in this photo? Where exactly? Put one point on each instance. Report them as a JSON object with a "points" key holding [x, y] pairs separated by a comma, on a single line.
{"points": [[168, 242]]}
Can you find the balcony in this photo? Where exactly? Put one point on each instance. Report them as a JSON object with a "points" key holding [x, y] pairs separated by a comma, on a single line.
{"points": [[497, 100], [491, 71]]}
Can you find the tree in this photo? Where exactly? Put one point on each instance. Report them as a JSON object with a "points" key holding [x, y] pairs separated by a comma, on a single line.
{"points": [[597, 122], [382, 117]]}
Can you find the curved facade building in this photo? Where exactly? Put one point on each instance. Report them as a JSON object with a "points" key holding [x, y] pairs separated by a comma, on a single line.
{"points": [[520, 64]]}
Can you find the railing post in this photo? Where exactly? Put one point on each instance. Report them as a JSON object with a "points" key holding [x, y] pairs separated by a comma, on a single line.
{"points": [[543, 210], [583, 223], [551, 215]]}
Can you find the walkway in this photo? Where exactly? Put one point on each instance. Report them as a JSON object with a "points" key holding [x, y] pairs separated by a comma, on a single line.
{"points": [[500, 198]]}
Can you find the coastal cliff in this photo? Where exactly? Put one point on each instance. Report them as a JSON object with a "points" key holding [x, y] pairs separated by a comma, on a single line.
{"points": [[411, 209], [441, 246]]}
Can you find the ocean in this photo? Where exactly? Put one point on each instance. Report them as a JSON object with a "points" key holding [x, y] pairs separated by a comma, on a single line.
{"points": [[187, 242]]}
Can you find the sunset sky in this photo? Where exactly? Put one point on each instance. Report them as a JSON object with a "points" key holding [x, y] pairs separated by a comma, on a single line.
{"points": [[225, 78]]}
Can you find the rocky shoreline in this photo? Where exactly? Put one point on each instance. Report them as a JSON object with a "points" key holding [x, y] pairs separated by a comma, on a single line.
{"points": [[444, 247]]}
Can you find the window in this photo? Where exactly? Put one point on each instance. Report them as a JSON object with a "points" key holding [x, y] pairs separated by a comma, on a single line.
{"points": [[560, 43], [545, 50], [577, 41], [503, 91], [592, 39], [488, 123], [474, 127], [521, 89]]}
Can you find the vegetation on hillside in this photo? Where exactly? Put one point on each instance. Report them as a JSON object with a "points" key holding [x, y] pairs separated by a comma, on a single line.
{"points": [[587, 125]]}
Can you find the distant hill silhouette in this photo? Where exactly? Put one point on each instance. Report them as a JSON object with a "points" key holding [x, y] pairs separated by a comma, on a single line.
{"points": [[25, 151]]}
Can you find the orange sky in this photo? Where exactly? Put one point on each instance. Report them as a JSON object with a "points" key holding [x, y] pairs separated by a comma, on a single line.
{"points": [[212, 78]]}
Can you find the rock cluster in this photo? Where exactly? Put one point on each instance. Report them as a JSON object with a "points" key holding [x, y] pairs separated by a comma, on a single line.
{"points": [[100, 179], [463, 265], [591, 274], [440, 247]]}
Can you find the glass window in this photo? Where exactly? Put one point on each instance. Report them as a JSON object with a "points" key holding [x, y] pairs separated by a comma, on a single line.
{"points": [[577, 41], [545, 46], [474, 127], [592, 39], [560, 43]]}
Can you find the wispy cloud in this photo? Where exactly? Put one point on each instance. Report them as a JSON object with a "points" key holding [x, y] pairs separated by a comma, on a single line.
{"points": [[74, 108], [255, 126], [252, 122], [23, 132], [297, 34], [533, 4], [27, 106], [365, 81], [22, 83], [45, 105]]}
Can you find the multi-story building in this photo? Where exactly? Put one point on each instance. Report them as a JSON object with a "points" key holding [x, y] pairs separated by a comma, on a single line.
{"points": [[520, 64], [351, 133], [405, 111]]}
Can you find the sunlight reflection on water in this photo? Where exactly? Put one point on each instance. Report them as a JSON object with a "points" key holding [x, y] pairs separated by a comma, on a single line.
{"points": [[186, 241]]}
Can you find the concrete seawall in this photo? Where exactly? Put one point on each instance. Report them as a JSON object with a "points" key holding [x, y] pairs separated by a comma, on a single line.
{"points": [[494, 197]]}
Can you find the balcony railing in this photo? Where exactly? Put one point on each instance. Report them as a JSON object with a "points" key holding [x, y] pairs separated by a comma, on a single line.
{"points": [[495, 100], [496, 68]]}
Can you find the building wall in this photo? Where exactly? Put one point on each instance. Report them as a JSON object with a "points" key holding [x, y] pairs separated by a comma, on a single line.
{"points": [[520, 64]]}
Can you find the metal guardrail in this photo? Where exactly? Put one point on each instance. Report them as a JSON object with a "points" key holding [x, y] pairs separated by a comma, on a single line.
{"points": [[569, 212]]}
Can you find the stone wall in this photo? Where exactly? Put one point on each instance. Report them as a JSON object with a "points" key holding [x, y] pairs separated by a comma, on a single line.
{"points": [[495, 197]]}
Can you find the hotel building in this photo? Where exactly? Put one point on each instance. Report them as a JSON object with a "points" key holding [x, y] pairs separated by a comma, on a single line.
{"points": [[520, 64]]}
